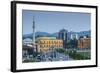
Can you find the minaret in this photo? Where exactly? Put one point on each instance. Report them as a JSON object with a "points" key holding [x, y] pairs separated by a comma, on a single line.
{"points": [[33, 31]]}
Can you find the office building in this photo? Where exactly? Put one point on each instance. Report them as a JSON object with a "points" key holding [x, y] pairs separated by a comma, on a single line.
{"points": [[63, 36], [84, 43]]}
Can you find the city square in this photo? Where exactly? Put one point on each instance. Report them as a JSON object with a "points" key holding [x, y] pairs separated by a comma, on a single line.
{"points": [[64, 45]]}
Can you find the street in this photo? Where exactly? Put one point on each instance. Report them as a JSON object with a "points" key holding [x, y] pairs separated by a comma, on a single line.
{"points": [[53, 56]]}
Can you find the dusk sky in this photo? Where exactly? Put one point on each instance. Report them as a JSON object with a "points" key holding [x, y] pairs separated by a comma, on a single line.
{"points": [[51, 22]]}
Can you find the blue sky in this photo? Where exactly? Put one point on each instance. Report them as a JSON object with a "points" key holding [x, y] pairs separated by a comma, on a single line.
{"points": [[51, 22]]}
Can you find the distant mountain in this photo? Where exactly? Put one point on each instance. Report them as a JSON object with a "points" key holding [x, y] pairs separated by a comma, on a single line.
{"points": [[38, 34], [84, 33], [54, 34], [41, 33]]}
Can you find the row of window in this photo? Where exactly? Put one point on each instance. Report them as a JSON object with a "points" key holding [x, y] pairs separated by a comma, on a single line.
{"points": [[43, 46], [51, 42]]}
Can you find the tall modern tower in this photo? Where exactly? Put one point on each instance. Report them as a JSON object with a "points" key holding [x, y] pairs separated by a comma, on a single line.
{"points": [[63, 35], [33, 31], [74, 36]]}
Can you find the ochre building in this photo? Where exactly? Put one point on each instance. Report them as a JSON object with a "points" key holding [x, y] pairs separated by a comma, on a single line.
{"points": [[47, 43]]}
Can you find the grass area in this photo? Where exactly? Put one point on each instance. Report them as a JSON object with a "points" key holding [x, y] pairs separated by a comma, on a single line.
{"points": [[79, 56], [76, 56], [86, 55]]}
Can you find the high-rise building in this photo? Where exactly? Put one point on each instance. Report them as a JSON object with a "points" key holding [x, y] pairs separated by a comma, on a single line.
{"points": [[63, 35], [74, 36]]}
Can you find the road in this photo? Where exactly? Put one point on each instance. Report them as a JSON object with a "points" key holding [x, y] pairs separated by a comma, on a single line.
{"points": [[53, 56]]}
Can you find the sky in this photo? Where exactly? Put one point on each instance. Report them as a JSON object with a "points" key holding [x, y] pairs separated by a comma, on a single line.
{"points": [[52, 21]]}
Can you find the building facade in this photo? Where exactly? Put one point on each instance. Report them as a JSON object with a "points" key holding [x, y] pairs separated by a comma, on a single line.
{"points": [[63, 36], [47, 43], [74, 36], [84, 43]]}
